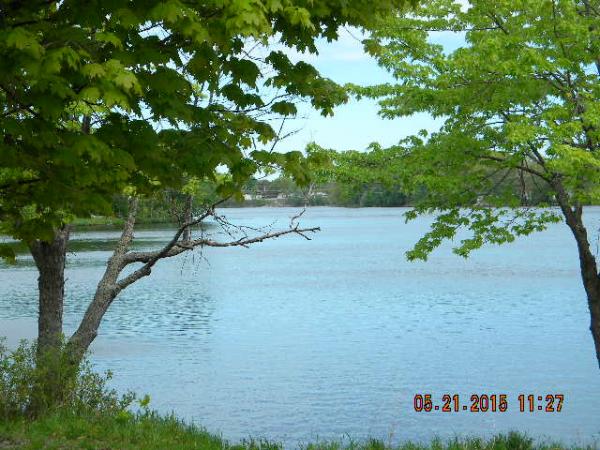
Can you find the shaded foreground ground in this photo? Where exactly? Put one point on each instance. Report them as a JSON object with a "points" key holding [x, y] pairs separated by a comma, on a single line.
{"points": [[150, 431]]}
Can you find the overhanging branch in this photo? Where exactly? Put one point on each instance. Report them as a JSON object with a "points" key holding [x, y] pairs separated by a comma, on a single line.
{"points": [[175, 247], [110, 286]]}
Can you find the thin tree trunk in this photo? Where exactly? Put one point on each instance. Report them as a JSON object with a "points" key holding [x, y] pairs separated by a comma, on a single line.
{"points": [[595, 324], [587, 262], [50, 258], [106, 291], [591, 283], [81, 340]]}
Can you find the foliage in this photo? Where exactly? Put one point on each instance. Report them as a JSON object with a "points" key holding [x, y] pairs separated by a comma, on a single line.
{"points": [[367, 195], [519, 108], [373, 179], [84, 392], [105, 98]]}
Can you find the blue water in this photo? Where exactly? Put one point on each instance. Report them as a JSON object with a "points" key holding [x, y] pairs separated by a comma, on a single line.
{"points": [[296, 341]]}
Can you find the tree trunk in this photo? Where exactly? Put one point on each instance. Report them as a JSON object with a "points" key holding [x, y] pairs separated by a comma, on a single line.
{"points": [[591, 283], [587, 262], [595, 324], [50, 260], [87, 331], [51, 374], [106, 291]]}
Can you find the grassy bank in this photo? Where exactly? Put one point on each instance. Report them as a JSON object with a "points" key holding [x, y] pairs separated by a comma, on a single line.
{"points": [[97, 221], [150, 431], [102, 431], [104, 221]]}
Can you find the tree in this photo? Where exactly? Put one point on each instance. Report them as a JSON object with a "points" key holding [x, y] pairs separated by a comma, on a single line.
{"points": [[519, 105], [109, 97]]}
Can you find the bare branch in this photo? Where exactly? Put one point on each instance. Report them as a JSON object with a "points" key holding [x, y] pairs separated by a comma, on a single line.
{"points": [[165, 251], [127, 234], [109, 287], [169, 251], [294, 219]]}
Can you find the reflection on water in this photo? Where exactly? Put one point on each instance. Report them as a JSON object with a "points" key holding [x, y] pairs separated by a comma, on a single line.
{"points": [[295, 340]]}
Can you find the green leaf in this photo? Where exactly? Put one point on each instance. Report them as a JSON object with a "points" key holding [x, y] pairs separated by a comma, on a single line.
{"points": [[284, 108], [7, 253]]}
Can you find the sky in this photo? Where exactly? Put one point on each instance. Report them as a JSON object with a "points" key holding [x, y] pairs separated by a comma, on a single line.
{"points": [[356, 124]]}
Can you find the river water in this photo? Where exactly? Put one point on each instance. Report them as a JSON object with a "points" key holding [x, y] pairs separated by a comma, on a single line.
{"points": [[297, 340]]}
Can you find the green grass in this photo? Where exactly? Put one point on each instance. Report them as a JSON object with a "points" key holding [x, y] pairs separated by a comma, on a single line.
{"points": [[96, 221], [150, 431], [124, 431], [105, 221]]}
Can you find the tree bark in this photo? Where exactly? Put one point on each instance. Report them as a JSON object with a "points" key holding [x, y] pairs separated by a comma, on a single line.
{"points": [[595, 324], [50, 258], [87, 331], [106, 291], [587, 262], [51, 374]]}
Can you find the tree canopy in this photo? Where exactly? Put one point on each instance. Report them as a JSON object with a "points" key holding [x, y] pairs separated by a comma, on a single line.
{"points": [[518, 102], [104, 97]]}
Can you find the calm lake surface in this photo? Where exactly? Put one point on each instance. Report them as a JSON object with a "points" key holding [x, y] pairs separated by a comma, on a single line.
{"points": [[297, 341]]}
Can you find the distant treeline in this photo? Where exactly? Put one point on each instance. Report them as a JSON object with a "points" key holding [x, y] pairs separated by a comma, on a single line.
{"points": [[282, 191], [168, 206]]}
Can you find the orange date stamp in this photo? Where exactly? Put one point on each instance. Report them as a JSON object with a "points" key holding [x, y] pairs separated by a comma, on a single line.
{"points": [[482, 403]]}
